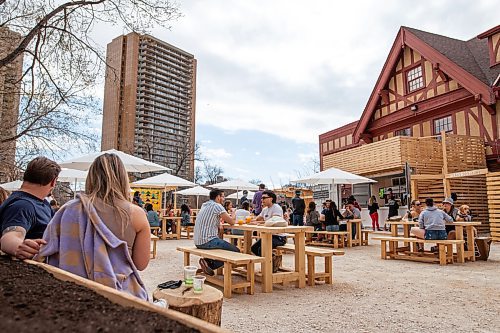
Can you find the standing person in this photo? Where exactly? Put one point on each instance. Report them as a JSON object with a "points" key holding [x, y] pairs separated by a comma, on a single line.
{"points": [[4, 194], [206, 230], [373, 210], [312, 217], [244, 197], [299, 207], [24, 215], [270, 209], [257, 200], [393, 206], [153, 218], [101, 235]]}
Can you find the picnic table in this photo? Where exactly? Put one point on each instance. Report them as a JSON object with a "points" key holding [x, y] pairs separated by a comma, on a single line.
{"points": [[267, 275], [394, 225]]}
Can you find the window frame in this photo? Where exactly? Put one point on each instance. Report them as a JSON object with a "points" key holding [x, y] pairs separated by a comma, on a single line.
{"points": [[403, 129], [441, 118], [407, 82]]}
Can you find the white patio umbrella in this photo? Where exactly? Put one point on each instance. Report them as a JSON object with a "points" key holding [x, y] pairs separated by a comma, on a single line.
{"points": [[12, 186], [72, 175], [239, 194], [235, 184], [132, 163], [198, 190], [334, 176], [165, 180]]}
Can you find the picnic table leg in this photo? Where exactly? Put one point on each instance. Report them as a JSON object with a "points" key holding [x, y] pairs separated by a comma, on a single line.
{"points": [[459, 234], [329, 269], [178, 224], [267, 264], [359, 235], [442, 254], [248, 241], [186, 259], [251, 278], [300, 258], [349, 234], [310, 270], [336, 241], [470, 241], [163, 229], [383, 249], [227, 279]]}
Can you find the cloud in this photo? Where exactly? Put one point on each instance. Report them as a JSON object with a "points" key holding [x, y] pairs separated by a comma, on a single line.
{"points": [[215, 153], [257, 153]]}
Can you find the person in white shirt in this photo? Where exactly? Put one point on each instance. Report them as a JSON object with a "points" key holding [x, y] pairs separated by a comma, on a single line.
{"points": [[269, 209]]}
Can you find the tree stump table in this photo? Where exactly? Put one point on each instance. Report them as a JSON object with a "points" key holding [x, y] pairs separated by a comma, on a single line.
{"points": [[206, 306]]}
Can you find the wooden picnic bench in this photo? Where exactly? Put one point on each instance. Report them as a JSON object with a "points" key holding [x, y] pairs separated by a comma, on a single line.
{"points": [[337, 236], [445, 249], [312, 253], [231, 260]]}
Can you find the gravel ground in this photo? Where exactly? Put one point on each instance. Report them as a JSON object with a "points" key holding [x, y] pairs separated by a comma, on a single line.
{"points": [[368, 295]]}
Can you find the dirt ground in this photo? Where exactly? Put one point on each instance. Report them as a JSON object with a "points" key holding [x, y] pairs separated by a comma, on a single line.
{"points": [[368, 295]]}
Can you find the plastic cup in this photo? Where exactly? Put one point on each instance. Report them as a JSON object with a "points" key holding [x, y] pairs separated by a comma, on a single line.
{"points": [[248, 219], [189, 272], [198, 281]]}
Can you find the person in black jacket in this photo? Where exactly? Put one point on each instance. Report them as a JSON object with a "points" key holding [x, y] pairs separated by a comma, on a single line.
{"points": [[373, 210], [299, 207]]}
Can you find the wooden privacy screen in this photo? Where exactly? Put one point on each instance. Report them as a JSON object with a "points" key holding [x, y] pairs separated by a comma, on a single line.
{"points": [[493, 186]]}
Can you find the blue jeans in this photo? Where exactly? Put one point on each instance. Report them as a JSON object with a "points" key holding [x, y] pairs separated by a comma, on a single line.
{"points": [[436, 234], [217, 243], [298, 220], [333, 227], [277, 241]]}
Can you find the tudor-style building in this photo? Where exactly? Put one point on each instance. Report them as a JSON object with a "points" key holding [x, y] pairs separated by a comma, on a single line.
{"points": [[429, 84]]}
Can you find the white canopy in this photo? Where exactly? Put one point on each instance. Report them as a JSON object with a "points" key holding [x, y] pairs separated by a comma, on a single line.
{"points": [[132, 163], [165, 179], [334, 176], [235, 184], [72, 175], [240, 194], [198, 190], [12, 186]]}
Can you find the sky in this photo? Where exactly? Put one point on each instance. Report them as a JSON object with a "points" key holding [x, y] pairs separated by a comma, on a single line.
{"points": [[273, 75]]}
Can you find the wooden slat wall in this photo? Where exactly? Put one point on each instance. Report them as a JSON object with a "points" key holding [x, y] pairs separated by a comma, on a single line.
{"points": [[493, 188], [465, 153]]}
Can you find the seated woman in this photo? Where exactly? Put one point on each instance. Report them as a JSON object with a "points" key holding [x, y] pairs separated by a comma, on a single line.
{"points": [[186, 216], [101, 235], [153, 219]]}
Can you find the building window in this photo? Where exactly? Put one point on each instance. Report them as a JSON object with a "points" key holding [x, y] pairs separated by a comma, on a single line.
{"points": [[403, 132], [443, 124], [414, 79]]}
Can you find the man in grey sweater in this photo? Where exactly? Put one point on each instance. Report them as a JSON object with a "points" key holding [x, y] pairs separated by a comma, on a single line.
{"points": [[432, 220]]}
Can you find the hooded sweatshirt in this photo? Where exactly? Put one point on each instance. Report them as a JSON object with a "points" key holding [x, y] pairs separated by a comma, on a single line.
{"points": [[432, 219]]}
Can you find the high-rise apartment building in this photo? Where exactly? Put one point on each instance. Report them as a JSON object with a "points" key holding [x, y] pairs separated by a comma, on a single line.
{"points": [[149, 102], [9, 101]]}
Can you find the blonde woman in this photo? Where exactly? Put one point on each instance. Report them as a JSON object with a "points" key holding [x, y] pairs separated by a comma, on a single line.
{"points": [[101, 235]]}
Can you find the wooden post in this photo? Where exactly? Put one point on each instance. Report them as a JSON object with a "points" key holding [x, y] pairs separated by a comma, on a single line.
{"points": [[206, 306], [446, 181]]}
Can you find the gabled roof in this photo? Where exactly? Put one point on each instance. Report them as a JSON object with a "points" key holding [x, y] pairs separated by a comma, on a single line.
{"points": [[467, 62]]}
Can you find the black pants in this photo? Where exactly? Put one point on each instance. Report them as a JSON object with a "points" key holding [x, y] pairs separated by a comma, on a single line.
{"points": [[277, 241]]}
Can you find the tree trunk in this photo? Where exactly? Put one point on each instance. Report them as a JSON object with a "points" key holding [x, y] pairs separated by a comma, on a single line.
{"points": [[206, 306]]}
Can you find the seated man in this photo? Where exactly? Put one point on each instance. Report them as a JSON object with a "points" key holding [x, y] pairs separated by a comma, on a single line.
{"points": [[206, 230], [269, 209], [351, 213], [431, 223], [25, 214]]}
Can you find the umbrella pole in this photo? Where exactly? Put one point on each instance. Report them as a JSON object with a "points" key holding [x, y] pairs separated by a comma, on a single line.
{"points": [[197, 198], [74, 192], [175, 199]]}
